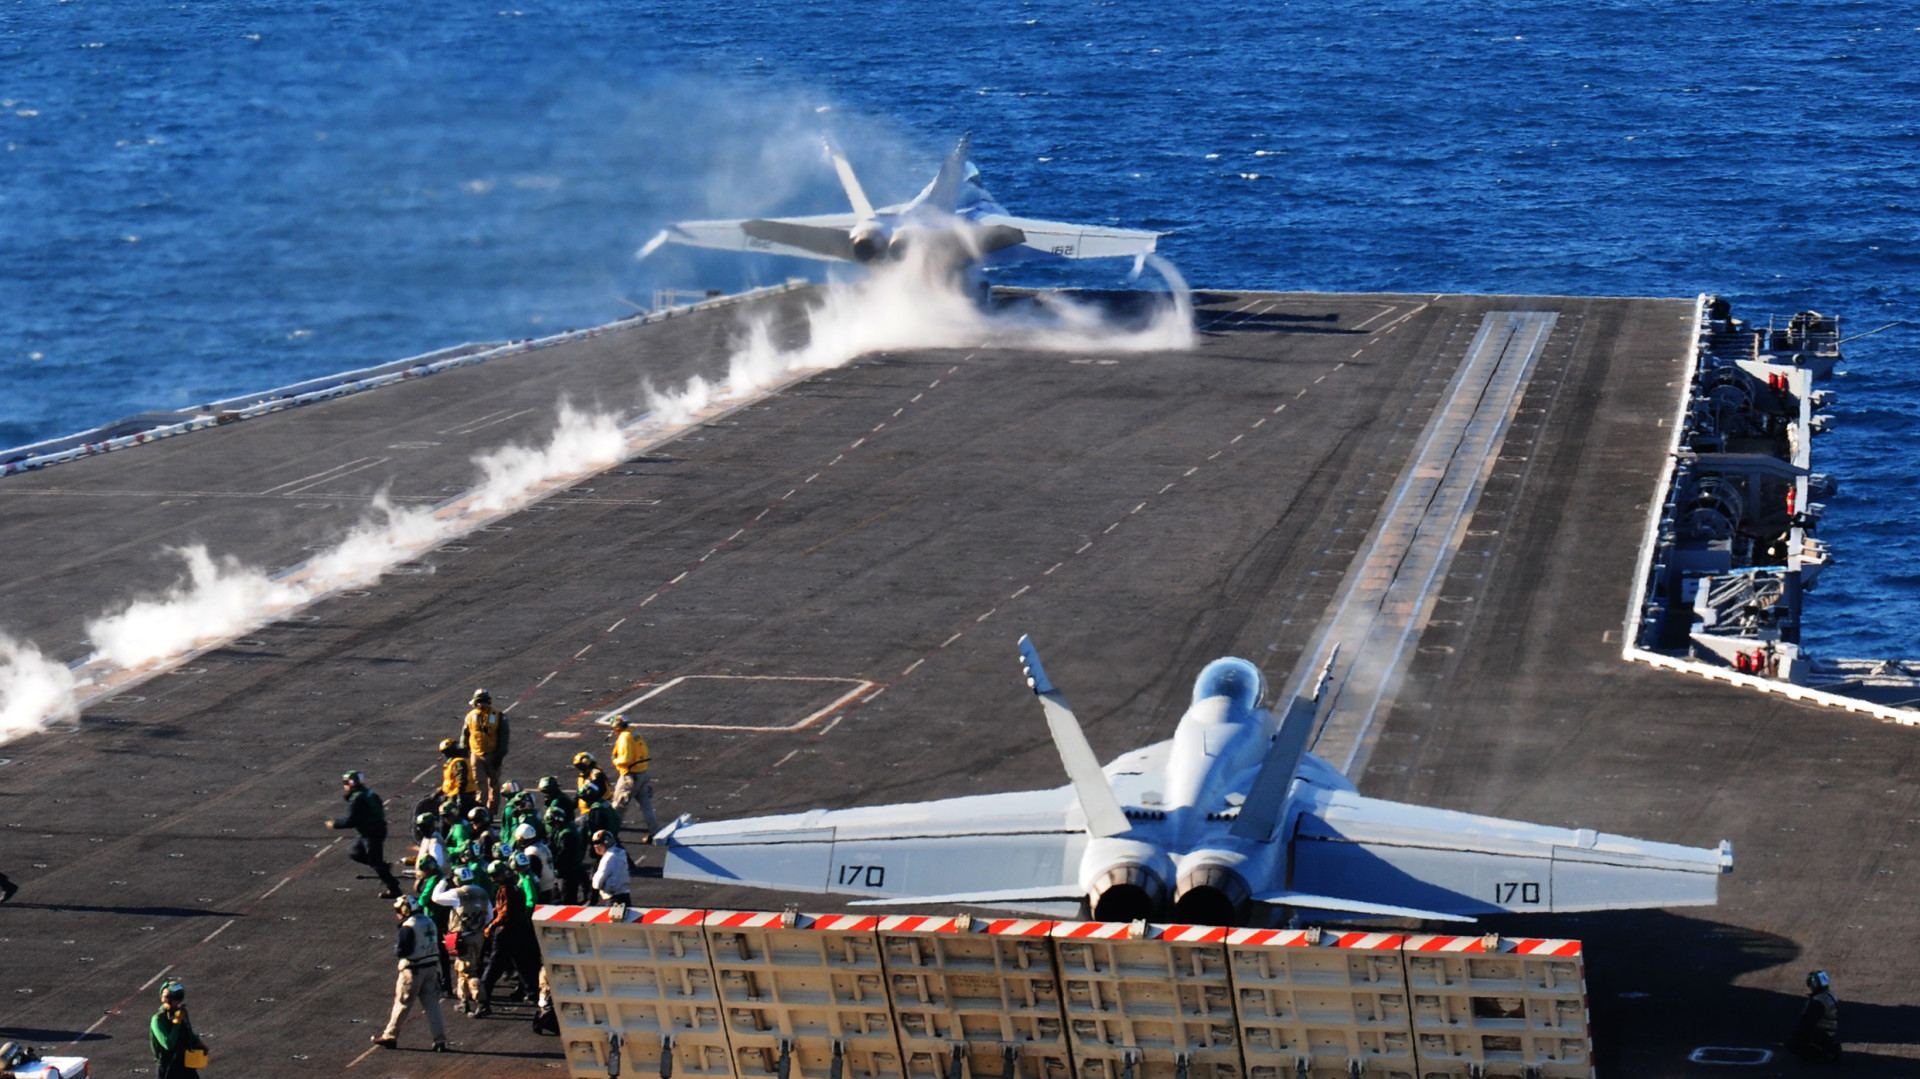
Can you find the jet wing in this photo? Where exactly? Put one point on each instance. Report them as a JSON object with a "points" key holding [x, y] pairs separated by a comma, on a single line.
{"points": [[1352, 847], [1060, 239], [820, 236], [1019, 849]]}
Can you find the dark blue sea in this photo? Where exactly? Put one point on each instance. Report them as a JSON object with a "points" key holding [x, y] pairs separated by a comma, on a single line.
{"points": [[203, 199]]}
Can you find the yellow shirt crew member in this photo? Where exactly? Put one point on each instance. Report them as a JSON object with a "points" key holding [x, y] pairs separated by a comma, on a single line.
{"points": [[456, 776], [630, 763], [485, 734], [630, 754]]}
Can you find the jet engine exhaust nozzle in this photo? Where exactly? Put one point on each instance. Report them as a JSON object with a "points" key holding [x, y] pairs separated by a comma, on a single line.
{"points": [[869, 243], [1211, 894], [1127, 892]]}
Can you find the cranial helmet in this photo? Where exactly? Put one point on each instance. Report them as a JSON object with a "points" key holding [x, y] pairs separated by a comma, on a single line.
{"points": [[526, 833], [1818, 981], [172, 992], [481, 696], [449, 747]]}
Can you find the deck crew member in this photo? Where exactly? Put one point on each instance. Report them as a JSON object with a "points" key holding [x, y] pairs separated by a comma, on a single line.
{"points": [[569, 848], [170, 1035], [367, 816], [471, 910], [611, 879], [456, 776], [590, 774], [485, 736], [430, 851], [631, 761], [1817, 1034], [416, 945], [510, 939], [550, 789]]}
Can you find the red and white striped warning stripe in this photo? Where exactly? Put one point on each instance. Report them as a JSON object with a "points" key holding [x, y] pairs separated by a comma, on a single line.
{"points": [[1479, 944], [918, 923], [1297, 938], [922, 923], [744, 919], [1120, 930], [1017, 927], [1192, 932], [844, 923], [1094, 930], [604, 915]]}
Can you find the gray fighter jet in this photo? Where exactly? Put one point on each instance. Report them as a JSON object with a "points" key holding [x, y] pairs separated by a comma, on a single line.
{"points": [[953, 221], [1231, 811]]}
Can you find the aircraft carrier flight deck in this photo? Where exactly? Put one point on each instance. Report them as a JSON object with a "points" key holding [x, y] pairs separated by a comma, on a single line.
{"points": [[825, 586]]}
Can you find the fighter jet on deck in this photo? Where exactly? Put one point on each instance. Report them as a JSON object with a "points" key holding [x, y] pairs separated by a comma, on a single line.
{"points": [[953, 220], [1231, 811]]}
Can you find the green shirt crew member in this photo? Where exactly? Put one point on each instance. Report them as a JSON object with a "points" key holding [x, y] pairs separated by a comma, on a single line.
{"points": [[170, 1035], [367, 815]]}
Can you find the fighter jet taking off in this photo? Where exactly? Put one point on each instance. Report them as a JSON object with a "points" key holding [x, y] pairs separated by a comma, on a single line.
{"points": [[953, 221], [1232, 810]]}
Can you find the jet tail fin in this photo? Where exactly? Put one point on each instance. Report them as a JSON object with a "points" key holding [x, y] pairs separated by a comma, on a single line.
{"points": [[944, 192], [1268, 795], [1104, 815], [855, 193]]}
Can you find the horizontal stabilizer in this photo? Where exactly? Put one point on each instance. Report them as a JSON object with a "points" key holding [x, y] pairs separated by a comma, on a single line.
{"points": [[830, 243], [1441, 859], [1302, 901], [1052, 893]]}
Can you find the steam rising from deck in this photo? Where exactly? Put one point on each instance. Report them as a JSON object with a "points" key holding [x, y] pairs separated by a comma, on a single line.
{"points": [[34, 690], [916, 303], [920, 302], [220, 598]]}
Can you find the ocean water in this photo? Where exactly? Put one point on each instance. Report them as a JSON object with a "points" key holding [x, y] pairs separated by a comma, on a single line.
{"points": [[200, 200]]}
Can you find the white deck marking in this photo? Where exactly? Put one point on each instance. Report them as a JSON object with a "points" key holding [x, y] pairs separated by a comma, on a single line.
{"points": [[484, 422], [1384, 603], [294, 487], [143, 988], [860, 685]]}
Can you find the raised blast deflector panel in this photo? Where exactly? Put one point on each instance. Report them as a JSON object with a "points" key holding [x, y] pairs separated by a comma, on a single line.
{"points": [[1362, 848], [759, 995]]}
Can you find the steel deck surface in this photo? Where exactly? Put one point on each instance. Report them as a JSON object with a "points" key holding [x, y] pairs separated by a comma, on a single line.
{"points": [[899, 522]]}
